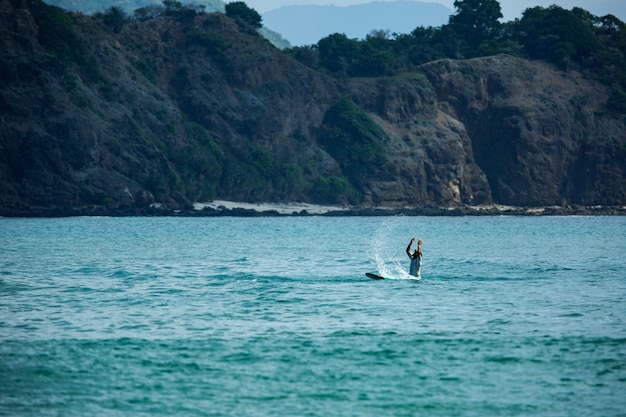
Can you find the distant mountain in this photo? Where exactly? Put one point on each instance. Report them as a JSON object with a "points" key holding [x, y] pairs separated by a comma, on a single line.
{"points": [[306, 25]]}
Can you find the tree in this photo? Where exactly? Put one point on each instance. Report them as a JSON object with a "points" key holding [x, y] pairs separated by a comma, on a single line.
{"points": [[337, 52], [557, 34], [371, 62], [239, 11], [171, 5], [476, 20]]}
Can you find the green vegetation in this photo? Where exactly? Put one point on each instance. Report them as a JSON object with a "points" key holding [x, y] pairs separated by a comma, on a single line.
{"points": [[353, 139], [571, 39], [335, 190], [243, 14], [199, 163], [255, 175], [198, 167], [476, 21], [370, 58]]}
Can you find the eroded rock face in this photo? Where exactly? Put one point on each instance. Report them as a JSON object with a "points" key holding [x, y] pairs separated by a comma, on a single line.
{"points": [[542, 136], [180, 109], [430, 153]]}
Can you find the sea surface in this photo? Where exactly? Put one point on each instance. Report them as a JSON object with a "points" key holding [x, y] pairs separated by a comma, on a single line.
{"points": [[513, 316]]}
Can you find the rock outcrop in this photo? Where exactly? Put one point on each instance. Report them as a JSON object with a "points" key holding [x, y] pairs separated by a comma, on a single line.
{"points": [[431, 158], [542, 136], [191, 107]]}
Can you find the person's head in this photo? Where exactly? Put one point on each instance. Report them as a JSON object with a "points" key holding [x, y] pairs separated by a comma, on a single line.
{"points": [[419, 242]]}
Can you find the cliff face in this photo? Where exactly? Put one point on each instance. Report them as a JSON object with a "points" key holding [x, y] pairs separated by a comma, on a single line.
{"points": [[430, 153], [188, 107], [542, 137]]}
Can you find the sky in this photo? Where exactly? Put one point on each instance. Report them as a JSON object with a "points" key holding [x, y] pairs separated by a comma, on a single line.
{"points": [[511, 9]]}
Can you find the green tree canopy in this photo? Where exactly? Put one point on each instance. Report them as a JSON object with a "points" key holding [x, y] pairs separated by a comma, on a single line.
{"points": [[337, 52], [558, 35], [239, 11], [476, 20]]}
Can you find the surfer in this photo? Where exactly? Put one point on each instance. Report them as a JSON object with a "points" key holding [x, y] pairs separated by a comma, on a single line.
{"points": [[416, 258]]}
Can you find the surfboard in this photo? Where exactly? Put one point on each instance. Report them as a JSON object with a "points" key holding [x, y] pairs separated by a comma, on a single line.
{"points": [[373, 276]]}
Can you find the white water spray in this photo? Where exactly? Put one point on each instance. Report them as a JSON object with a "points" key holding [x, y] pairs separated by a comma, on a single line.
{"points": [[386, 248]]}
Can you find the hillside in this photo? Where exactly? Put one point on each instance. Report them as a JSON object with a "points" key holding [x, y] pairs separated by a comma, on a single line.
{"points": [[188, 107], [90, 7], [141, 8]]}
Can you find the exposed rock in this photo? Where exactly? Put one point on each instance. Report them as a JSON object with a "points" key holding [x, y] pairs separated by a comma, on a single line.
{"points": [[542, 136], [432, 160], [144, 198], [185, 108]]}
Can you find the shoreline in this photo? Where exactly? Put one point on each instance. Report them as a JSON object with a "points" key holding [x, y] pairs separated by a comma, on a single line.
{"points": [[224, 208]]}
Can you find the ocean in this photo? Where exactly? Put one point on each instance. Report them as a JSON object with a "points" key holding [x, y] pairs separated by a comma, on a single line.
{"points": [[274, 316]]}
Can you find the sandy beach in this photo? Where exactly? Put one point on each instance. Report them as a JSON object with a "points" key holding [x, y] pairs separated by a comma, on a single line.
{"points": [[281, 208]]}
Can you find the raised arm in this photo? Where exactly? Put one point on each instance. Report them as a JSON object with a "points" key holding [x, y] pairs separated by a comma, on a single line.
{"points": [[408, 248]]}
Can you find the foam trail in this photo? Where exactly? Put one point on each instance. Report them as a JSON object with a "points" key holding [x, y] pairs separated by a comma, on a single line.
{"points": [[384, 250]]}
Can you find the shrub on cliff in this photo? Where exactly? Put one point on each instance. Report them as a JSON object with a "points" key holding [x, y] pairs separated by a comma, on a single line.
{"points": [[334, 190], [199, 163], [353, 139]]}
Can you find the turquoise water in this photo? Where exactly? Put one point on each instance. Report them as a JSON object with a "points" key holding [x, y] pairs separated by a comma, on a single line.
{"points": [[514, 316]]}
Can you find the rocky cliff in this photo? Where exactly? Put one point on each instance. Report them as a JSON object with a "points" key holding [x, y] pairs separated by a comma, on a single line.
{"points": [[541, 136], [191, 107]]}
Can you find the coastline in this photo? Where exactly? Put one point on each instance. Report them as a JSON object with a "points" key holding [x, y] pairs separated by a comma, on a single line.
{"points": [[289, 209], [224, 208], [299, 209]]}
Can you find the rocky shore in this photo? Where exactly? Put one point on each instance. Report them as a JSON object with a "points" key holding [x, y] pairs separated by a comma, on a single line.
{"points": [[236, 209]]}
